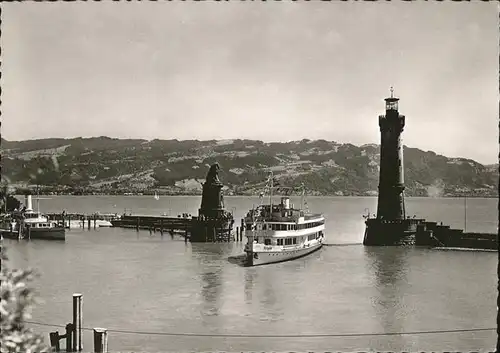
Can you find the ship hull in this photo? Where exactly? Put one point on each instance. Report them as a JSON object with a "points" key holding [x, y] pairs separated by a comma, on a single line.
{"points": [[58, 233], [43, 234], [269, 257]]}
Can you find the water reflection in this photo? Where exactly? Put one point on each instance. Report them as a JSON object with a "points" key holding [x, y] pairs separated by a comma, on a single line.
{"points": [[250, 280], [211, 292], [262, 289], [272, 307], [210, 259], [389, 268]]}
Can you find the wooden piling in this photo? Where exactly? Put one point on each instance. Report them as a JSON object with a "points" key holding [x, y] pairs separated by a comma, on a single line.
{"points": [[88, 223], [161, 226], [55, 337], [69, 337], [54, 342], [138, 223], [77, 322], [100, 340]]}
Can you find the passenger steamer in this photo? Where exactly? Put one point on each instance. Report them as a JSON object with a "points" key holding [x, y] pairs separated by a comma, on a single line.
{"points": [[277, 233]]}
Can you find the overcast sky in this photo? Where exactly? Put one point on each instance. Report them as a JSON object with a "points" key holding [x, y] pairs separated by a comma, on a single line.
{"points": [[259, 70]]}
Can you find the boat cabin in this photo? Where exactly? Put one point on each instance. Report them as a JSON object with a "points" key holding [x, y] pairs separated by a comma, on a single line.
{"points": [[43, 225]]}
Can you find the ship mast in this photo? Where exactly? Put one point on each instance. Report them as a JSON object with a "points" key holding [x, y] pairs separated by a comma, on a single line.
{"points": [[38, 200], [302, 197], [271, 194]]}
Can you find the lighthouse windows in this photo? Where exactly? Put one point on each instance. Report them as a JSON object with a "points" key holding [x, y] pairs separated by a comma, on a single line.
{"points": [[392, 106]]}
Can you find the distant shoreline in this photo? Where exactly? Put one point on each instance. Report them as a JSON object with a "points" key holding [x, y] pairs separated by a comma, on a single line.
{"points": [[255, 195]]}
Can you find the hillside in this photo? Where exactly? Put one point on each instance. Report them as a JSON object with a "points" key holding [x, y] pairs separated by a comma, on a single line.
{"points": [[117, 166]]}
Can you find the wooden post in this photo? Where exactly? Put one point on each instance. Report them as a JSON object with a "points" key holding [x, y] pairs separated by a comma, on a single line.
{"points": [[138, 223], [54, 342], [77, 321], [95, 221], [88, 223], [161, 226], [237, 233], [69, 336], [100, 340]]}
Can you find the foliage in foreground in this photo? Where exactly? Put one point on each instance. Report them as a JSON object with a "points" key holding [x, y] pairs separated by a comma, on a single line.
{"points": [[17, 300], [5, 197]]}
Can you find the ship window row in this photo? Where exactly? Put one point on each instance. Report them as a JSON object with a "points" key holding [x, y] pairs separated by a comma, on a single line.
{"points": [[286, 241], [311, 225], [290, 240], [41, 225], [271, 226]]}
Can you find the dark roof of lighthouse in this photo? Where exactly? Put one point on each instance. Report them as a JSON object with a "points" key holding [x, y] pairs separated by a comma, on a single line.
{"points": [[392, 98]]}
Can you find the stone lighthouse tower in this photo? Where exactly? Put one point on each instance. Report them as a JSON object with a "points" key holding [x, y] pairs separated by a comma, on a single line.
{"points": [[391, 204], [390, 226]]}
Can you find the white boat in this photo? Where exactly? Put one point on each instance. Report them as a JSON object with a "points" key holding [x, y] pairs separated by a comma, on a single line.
{"points": [[77, 223], [48, 230], [34, 225], [283, 234], [29, 216], [104, 219]]}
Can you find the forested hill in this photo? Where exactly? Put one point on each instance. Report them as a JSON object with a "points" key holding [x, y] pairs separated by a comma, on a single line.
{"points": [[115, 166]]}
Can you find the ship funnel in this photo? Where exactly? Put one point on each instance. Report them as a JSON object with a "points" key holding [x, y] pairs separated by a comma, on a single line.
{"points": [[285, 201], [29, 204]]}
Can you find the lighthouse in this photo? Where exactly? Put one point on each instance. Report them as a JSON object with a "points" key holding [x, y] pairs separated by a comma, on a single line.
{"points": [[390, 226], [391, 203]]}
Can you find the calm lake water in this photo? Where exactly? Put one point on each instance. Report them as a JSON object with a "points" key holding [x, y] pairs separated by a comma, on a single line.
{"points": [[140, 282]]}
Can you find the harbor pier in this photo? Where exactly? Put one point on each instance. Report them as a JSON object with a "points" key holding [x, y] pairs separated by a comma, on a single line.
{"points": [[172, 225], [391, 226], [213, 223]]}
